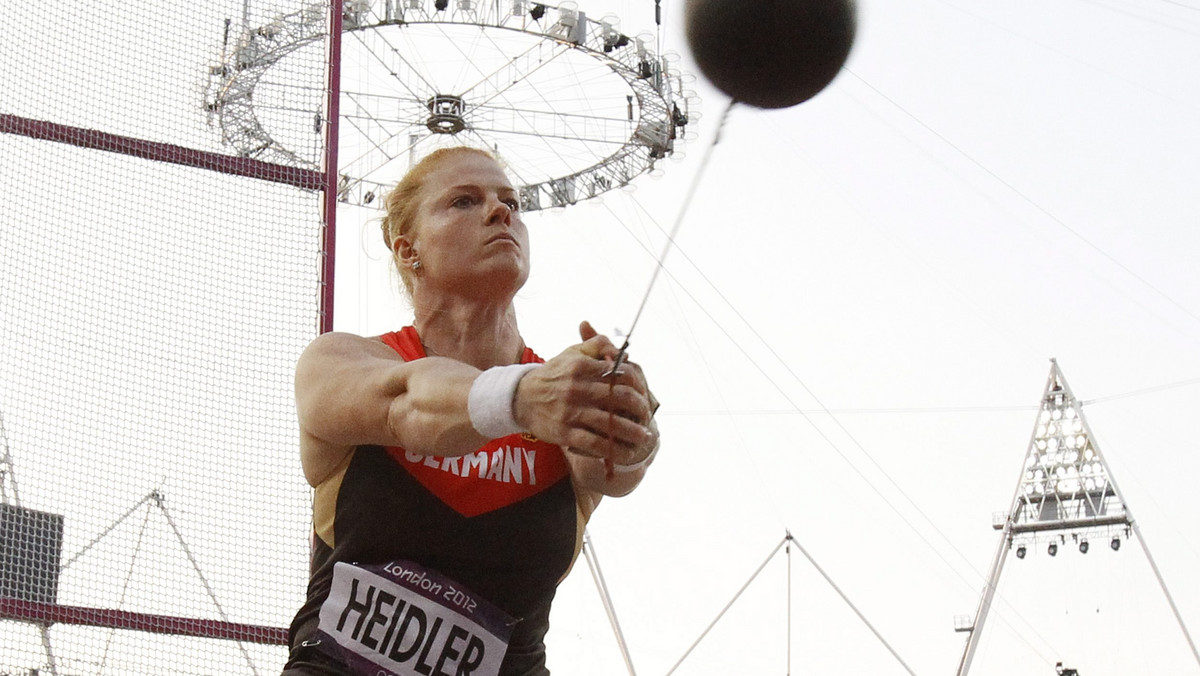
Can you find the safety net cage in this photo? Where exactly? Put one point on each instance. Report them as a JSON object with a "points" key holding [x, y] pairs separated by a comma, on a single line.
{"points": [[161, 274]]}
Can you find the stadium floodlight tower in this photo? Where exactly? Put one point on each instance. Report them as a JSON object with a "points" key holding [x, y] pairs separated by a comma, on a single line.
{"points": [[1066, 487], [572, 105]]}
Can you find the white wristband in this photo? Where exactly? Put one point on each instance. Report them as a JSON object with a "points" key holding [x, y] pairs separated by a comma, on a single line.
{"points": [[490, 403]]}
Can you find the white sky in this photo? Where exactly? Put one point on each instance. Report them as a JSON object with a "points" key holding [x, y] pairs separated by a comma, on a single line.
{"points": [[854, 332]]}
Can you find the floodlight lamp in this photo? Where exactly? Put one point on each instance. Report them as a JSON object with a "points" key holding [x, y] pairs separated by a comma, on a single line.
{"points": [[1021, 552], [614, 40], [1083, 546], [440, 5], [537, 12], [1115, 544], [1052, 550]]}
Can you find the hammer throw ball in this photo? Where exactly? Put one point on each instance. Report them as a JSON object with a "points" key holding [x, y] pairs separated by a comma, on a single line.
{"points": [[770, 53]]}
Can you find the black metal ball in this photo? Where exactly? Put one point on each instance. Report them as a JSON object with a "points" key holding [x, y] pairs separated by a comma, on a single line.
{"points": [[770, 53]]}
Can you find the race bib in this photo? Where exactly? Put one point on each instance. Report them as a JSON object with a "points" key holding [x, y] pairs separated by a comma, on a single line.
{"points": [[400, 619]]}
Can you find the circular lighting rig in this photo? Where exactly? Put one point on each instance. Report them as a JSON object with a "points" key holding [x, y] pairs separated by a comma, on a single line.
{"points": [[572, 105]]}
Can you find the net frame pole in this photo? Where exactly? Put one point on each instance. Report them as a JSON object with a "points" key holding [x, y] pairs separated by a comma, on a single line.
{"points": [[785, 540], [8, 471], [329, 206], [44, 629], [788, 553], [862, 618], [589, 554], [94, 139], [46, 614]]}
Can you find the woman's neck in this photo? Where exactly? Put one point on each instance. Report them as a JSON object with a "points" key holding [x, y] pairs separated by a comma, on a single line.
{"points": [[481, 335]]}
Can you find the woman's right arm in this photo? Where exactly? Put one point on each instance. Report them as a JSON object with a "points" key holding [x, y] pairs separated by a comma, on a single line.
{"points": [[353, 391]]}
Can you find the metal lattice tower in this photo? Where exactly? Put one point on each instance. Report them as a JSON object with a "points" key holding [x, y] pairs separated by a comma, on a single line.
{"points": [[1066, 489]]}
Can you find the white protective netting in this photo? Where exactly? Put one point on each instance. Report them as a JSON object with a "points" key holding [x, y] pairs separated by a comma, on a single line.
{"points": [[154, 517]]}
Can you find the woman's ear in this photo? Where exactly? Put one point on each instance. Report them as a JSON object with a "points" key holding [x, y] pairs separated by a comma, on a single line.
{"points": [[404, 250]]}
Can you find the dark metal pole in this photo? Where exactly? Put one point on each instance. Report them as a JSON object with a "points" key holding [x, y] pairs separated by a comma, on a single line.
{"points": [[330, 198]]}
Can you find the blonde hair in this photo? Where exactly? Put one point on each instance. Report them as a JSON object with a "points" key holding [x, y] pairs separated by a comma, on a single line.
{"points": [[403, 202]]}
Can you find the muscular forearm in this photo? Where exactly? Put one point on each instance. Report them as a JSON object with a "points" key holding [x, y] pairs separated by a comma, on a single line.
{"points": [[353, 391], [432, 416]]}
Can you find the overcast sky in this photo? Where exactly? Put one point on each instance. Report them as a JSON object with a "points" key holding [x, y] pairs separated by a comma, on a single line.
{"points": [[852, 337]]}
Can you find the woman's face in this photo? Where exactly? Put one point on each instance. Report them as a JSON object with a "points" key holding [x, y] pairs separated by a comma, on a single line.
{"points": [[468, 233]]}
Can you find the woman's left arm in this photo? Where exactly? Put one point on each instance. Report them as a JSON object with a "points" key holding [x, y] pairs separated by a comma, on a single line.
{"points": [[592, 475], [594, 478], [620, 470]]}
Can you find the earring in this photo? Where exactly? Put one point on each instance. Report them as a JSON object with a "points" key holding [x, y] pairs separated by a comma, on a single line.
{"points": [[416, 266]]}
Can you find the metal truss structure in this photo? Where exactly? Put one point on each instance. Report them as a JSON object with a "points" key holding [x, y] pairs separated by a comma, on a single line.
{"points": [[414, 112], [1066, 489]]}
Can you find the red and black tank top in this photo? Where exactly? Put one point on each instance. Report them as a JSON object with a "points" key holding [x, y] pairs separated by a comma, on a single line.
{"points": [[503, 522]]}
